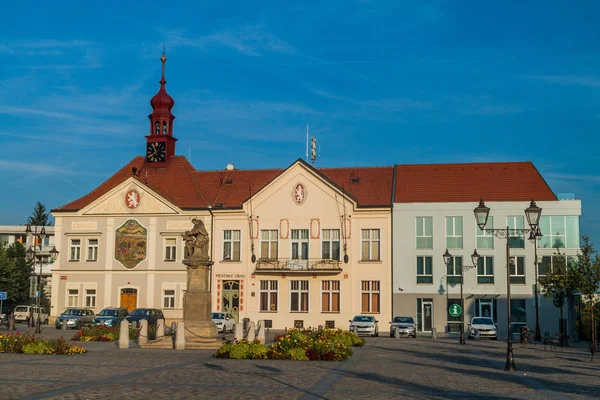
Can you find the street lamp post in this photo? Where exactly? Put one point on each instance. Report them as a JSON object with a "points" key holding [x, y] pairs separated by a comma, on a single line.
{"points": [[31, 255], [475, 259], [533, 213], [534, 236]]}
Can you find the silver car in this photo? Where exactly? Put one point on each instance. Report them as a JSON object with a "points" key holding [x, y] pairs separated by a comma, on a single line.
{"points": [[364, 325], [482, 327], [405, 325], [75, 318]]}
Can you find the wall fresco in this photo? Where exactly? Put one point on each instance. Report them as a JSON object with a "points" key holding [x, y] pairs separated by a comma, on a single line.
{"points": [[131, 241]]}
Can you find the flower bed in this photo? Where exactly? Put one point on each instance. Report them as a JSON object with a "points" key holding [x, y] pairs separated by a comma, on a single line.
{"points": [[102, 333], [30, 344], [297, 344]]}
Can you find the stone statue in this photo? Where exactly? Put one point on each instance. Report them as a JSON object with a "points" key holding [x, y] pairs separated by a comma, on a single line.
{"points": [[196, 242]]}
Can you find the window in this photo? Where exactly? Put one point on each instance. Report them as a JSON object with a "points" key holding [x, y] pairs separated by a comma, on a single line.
{"points": [[330, 296], [485, 271], [516, 241], [170, 249], [268, 296], [453, 270], [424, 232], [300, 244], [454, 232], [454, 323], [73, 297], [169, 298], [370, 296], [299, 296], [424, 269], [231, 245], [75, 249], [370, 245], [517, 271], [92, 254], [90, 298], [4, 239], [559, 231], [330, 247], [518, 314], [268, 244], [548, 263], [485, 240]]}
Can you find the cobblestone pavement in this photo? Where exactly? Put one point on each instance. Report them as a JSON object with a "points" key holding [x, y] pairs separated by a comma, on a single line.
{"points": [[384, 368]]}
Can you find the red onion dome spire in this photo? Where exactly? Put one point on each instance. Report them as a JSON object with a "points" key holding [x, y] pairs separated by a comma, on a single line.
{"points": [[161, 100]]}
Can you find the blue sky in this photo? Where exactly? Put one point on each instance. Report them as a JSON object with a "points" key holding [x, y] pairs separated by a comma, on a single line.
{"points": [[379, 82]]}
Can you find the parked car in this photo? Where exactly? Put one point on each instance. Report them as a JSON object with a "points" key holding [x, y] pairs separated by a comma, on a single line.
{"points": [[75, 318], [152, 315], [224, 321], [23, 313], [365, 325], [482, 327], [110, 316], [405, 325]]}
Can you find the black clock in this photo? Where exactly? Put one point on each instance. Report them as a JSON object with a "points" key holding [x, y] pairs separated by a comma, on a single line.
{"points": [[156, 152]]}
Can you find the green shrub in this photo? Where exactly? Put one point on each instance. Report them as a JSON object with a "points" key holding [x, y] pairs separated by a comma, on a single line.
{"points": [[297, 355], [240, 351], [38, 347], [257, 351], [224, 351]]}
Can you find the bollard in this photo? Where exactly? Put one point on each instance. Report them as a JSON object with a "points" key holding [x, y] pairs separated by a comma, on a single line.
{"points": [[11, 323], [433, 333], [355, 329], [239, 331], [143, 335], [251, 331], [180, 336], [396, 332], [261, 332], [160, 328], [64, 325], [123, 334]]}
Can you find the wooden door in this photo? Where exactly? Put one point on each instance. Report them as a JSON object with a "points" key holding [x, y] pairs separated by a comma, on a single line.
{"points": [[129, 299]]}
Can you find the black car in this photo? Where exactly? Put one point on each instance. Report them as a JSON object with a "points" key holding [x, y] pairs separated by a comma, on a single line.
{"points": [[152, 315]]}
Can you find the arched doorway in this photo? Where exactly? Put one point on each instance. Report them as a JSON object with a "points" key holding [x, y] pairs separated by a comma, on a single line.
{"points": [[129, 298]]}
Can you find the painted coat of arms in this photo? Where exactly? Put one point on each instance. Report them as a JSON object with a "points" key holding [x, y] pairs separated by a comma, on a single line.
{"points": [[131, 241]]}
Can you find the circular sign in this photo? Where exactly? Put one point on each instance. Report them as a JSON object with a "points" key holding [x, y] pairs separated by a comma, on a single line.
{"points": [[299, 193], [455, 310], [132, 199]]}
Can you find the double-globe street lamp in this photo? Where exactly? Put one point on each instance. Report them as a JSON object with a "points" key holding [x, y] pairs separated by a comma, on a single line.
{"points": [[475, 259], [31, 255], [533, 214], [533, 237]]}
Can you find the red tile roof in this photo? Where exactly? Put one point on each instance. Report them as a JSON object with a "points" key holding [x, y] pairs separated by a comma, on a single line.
{"points": [[437, 183]]}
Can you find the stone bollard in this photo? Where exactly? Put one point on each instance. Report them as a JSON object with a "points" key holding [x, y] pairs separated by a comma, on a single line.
{"points": [[143, 335], [180, 336], [160, 328], [433, 333], [355, 330], [251, 331], [123, 334], [64, 325], [396, 332], [239, 331], [11, 324], [261, 332]]}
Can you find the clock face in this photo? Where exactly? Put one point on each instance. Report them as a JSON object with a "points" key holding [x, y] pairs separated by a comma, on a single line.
{"points": [[155, 152]]}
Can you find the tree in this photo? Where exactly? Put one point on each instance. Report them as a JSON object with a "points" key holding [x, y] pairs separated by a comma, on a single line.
{"points": [[40, 217], [558, 285], [586, 273], [15, 271]]}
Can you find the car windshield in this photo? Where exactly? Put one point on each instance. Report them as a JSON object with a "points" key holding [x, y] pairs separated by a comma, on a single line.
{"points": [[21, 309], [108, 313], [482, 321], [405, 320], [72, 312], [363, 318], [140, 311], [217, 315]]}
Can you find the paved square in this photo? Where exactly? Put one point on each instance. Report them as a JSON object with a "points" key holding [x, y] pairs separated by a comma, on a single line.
{"points": [[384, 368]]}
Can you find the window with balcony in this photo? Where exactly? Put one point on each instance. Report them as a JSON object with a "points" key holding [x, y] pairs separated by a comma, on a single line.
{"points": [[370, 296], [453, 270], [559, 231], [330, 245], [90, 298], [75, 247], [424, 269], [170, 249], [299, 296], [517, 271], [485, 271], [268, 296], [92, 254], [269, 244], [516, 241], [231, 245], [485, 240], [370, 245], [330, 296], [300, 244], [454, 232], [424, 232]]}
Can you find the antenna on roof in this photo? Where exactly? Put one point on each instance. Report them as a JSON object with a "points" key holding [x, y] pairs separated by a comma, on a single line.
{"points": [[313, 150], [190, 153], [306, 142]]}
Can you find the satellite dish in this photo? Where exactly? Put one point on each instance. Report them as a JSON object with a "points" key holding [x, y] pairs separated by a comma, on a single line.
{"points": [[230, 167]]}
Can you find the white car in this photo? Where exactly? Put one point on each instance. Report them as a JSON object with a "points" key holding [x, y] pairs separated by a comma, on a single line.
{"points": [[482, 327], [22, 314], [365, 325], [224, 321], [405, 326]]}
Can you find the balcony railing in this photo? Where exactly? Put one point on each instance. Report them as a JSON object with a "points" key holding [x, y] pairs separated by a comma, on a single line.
{"points": [[311, 265]]}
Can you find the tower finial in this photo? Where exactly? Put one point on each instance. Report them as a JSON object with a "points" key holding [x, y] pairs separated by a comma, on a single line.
{"points": [[163, 60]]}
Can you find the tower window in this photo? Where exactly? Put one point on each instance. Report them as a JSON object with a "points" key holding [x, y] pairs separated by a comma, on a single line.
{"points": [[157, 128], [164, 127]]}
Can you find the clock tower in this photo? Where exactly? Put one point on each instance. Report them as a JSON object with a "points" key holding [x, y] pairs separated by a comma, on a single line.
{"points": [[160, 143]]}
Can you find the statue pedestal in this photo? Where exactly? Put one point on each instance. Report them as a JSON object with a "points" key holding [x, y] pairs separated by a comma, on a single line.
{"points": [[200, 331]]}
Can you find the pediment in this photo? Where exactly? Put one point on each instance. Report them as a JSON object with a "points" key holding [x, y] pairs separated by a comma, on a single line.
{"points": [[130, 197]]}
